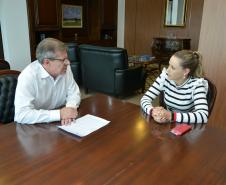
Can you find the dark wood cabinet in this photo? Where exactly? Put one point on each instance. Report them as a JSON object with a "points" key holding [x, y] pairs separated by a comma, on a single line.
{"points": [[108, 17], [43, 17], [166, 47], [99, 22], [46, 14], [108, 12], [103, 22], [163, 48]]}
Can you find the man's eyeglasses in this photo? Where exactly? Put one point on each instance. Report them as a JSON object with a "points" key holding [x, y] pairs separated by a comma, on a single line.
{"points": [[65, 61]]}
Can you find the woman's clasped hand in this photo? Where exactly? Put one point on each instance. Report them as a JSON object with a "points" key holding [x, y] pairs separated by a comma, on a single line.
{"points": [[161, 115]]}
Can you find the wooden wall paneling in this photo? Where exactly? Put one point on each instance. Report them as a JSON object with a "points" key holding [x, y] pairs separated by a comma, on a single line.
{"points": [[212, 45], [142, 23], [192, 24], [180, 32], [130, 26], [148, 20], [195, 22], [144, 19]]}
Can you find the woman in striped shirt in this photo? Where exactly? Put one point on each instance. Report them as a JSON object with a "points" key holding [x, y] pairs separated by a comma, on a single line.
{"points": [[184, 91]]}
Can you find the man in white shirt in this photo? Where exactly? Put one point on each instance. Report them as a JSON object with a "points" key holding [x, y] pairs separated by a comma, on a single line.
{"points": [[46, 90]]}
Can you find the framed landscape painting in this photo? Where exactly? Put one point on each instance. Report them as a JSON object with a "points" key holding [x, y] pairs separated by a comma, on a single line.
{"points": [[71, 16]]}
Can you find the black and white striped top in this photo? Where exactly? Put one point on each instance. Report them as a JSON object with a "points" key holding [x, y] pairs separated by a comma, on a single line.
{"points": [[187, 100]]}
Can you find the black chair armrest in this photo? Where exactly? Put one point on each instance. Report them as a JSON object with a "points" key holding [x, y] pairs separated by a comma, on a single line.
{"points": [[129, 79], [4, 64]]}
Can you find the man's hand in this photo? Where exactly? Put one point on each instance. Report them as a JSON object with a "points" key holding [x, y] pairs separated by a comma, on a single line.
{"points": [[66, 121], [67, 115]]}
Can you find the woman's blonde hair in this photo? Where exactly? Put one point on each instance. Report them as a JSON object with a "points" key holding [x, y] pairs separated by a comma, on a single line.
{"points": [[191, 60]]}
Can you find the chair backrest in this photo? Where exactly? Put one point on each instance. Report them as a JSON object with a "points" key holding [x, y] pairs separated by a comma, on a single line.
{"points": [[4, 64], [72, 51], [8, 82], [99, 64], [211, 96]]}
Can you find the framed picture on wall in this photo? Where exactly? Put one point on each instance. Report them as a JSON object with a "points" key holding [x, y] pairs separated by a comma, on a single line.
{"points": [[71, 16]]}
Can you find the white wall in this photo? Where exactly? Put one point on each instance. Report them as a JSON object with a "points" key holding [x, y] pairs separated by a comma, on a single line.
{"points": [[121, 20], [15, 34]]}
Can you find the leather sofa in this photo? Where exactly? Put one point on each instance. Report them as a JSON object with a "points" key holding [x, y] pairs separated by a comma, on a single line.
{"points": [[105, 70]]}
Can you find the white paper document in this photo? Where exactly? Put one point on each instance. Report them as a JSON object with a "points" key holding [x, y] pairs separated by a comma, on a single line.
{"points": [[85, 125]]}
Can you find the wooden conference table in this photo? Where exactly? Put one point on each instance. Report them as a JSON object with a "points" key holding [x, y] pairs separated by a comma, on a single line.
{"points": [[132, 149]]}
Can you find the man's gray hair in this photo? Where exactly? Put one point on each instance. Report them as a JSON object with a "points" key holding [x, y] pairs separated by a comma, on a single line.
{"points": [[48, 47]]}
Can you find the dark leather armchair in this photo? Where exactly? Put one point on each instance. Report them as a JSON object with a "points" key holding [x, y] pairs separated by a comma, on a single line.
{"points": [[105, 69], [8, 82], [4, 64], [75, 64], [211, 96]]}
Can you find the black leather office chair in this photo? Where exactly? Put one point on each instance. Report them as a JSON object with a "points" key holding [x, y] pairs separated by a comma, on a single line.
{"points": [[4, 64], [8, 82], [75, 64], [105, 69], [211, 96]]}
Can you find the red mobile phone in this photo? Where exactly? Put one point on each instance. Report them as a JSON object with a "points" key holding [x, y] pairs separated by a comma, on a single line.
{"points": [[181, 129]]}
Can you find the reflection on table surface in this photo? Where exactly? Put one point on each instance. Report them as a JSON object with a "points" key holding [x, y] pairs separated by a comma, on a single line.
{"points": [[131, 149], [36, 139]]}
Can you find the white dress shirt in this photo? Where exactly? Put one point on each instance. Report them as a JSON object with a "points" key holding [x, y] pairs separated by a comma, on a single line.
{"points": [[39, 96]]}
